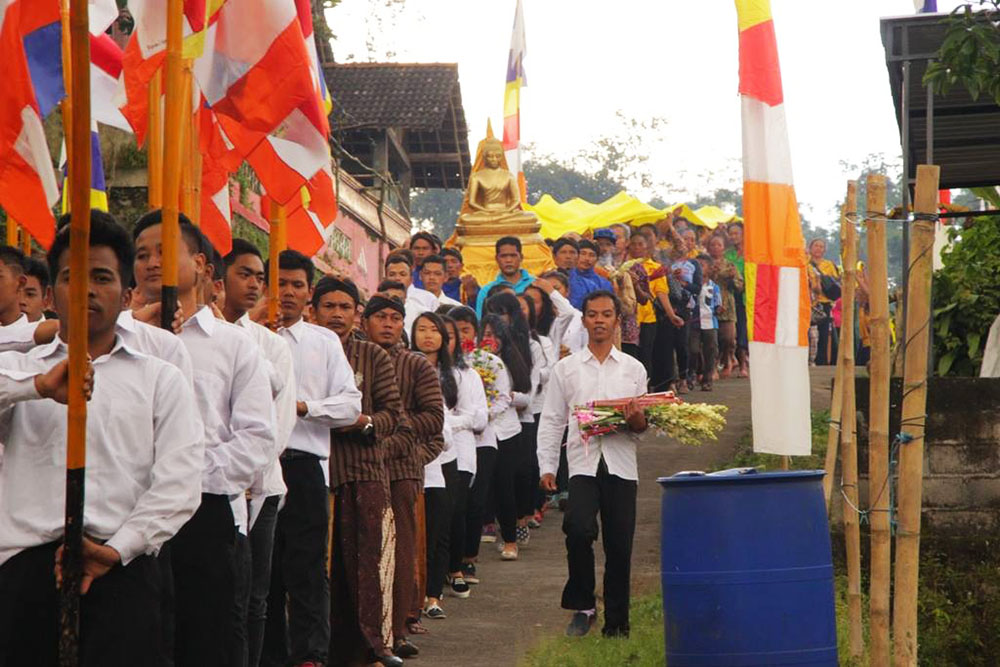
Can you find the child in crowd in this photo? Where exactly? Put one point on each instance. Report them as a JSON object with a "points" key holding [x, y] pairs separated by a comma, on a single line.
{"points": [[709, 308]]}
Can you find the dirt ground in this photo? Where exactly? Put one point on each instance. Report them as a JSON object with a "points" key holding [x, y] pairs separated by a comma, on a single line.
{"points": [[518, 602]]}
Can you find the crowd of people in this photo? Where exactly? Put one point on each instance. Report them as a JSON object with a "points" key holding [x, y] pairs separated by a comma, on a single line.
{"points": [[307, 490]]}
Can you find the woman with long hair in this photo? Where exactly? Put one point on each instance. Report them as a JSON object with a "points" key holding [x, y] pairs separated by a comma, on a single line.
{"points": [[465, 421], [495, 333], [530, 496], [520, 318]]}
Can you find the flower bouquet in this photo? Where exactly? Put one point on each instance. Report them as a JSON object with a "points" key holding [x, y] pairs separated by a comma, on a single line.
{"points": [[689, 423], [483, 362]]}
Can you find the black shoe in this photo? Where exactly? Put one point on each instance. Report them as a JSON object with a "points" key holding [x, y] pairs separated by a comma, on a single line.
{"points": [[469, 573], [404, 649], [580, 624], [615, 633], [389, 661]]}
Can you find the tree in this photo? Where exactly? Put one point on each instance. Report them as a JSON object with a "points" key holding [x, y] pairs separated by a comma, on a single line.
{"points": [[970, 52]]}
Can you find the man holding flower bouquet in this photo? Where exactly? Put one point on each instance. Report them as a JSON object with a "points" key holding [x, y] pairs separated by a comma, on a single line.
{"points": [[602, 469]]}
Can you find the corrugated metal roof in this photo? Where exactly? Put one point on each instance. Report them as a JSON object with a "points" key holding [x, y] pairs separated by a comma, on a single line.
{"points": [[966, 132]]}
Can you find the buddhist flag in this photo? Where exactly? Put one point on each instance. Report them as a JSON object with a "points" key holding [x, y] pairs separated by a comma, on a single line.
{"points": [[512, 101], [98, 189], [777, 294], [28, 187]]}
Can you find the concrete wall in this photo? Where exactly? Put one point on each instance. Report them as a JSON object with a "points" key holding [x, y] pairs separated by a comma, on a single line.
{"points": [[961, 452]]}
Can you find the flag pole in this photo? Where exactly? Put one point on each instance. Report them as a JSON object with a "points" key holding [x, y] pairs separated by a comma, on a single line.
{"points": [[11, 231], [66, 106], [276, 243], [173, 151], [196, 167], [76, 426], [848, 420], [154, 142], [25, 242], [187, 127], [878, 423]]}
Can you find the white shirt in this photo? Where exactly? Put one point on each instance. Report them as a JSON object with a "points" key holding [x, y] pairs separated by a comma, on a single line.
{"points": [[281, 372], [418, 302], [325, 383], [445, 300], [144, 453], [523, 402], [469, 417], [433, 472], [19, 335], [575, 380], [501, 409], [549, 357], [567, 329], [234, 396], [155, 342]]}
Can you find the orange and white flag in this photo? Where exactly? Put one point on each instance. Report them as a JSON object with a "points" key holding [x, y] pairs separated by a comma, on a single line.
{"points": [[777, 291]]}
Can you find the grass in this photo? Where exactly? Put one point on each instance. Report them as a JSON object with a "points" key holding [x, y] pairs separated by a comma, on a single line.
{"points": [[745, 457], [643, 648]]}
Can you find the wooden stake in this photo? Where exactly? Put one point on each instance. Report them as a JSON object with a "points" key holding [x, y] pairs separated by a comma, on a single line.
{"points": [[911, 455], [833, 435], [878, 423], [154, 143], [849, 445], [76, 425], [276, 243], [173, 150]]}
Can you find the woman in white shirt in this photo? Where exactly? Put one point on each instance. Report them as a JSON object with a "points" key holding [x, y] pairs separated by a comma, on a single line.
{"points": [[507, 425], [466, 419]]}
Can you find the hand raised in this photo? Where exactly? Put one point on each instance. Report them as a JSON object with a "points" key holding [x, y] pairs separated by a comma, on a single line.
{"points": [[54, 383]]}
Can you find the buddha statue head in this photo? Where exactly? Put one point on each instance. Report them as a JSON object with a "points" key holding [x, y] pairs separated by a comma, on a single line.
{"points": [[493, 156]]}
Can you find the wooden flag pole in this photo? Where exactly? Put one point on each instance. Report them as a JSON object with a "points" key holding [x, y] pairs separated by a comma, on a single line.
{"points": [[11, 231], [878, 423], [833, 435], [911, 455], [849, 444], [187, 177], [276, 243], [196, 166], [154, 143], [76, 426], [66, 106], [25, 242], [173, 151]]}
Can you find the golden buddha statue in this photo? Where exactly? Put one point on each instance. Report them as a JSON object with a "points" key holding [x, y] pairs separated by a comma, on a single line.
{"points": [[492, 204]]}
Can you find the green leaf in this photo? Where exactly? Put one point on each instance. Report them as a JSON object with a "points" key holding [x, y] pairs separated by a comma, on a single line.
{"points": [[973, 340], [945, 362]]}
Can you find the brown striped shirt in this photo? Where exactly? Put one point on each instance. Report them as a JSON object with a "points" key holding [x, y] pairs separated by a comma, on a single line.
{"points": [[423, 406], [353, 456]]}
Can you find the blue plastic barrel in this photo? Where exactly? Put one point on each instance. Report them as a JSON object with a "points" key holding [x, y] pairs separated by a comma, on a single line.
{"points": [[746, 570]]}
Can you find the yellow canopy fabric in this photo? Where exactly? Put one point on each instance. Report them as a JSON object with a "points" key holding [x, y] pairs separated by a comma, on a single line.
{"points": [[713, 216], [578, 215]]}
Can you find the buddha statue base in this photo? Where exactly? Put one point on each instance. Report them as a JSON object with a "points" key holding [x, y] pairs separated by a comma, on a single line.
{"points": [[487, 234]]}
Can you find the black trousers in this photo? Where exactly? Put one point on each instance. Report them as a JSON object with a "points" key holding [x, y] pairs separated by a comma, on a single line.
{"points": [[119, 616], [298, 573], [647, 341], [261, 546], [704, 353], [202, 556], [439, 504], [671, 344], [509, 458], [459, 521], [239, 649], [526, 475], [486, 459], [614, 499]]}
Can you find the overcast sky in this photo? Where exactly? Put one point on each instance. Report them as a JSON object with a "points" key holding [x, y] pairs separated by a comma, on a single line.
{"points": [[675, 59]]}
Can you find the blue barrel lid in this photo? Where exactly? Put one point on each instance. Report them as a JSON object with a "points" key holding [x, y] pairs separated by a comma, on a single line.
{"points": [[737, 475]]}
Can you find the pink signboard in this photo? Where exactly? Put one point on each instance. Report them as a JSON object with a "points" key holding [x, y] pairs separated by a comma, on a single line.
{"points": [[352, 251]]}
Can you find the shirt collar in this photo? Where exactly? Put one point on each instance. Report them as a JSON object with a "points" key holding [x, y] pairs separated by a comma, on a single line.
{"points": [[243, 320], [126, 321], [59, 347], [297, 329], [205, 320], [615, 354], [18, 322]]}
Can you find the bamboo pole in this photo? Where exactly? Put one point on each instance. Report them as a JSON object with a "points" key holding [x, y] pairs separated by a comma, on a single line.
{"points": [[25, 242], [187, 176], [276, 243], [173, 150], [849, 445], [154, 143], [195, 158], [878, 423], [833, 435], [911, 455], [11, 231], [66, 106], [76, 426]]}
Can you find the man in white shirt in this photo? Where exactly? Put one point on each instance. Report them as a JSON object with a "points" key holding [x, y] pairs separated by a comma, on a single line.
{"points": [[432, 275], [243, 280], [35, 299], [327, 397], [602, 473], [234, 399], [398, 267], [144, 456]]}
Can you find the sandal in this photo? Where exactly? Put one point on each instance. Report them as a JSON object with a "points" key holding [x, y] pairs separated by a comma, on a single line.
{"points": [[415, 628]]}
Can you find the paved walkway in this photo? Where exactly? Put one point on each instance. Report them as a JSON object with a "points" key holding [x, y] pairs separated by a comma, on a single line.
{"points": [[518, 602]]}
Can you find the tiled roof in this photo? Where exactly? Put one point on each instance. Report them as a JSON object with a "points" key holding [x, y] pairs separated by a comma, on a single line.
{"points": [[412, 96]]}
